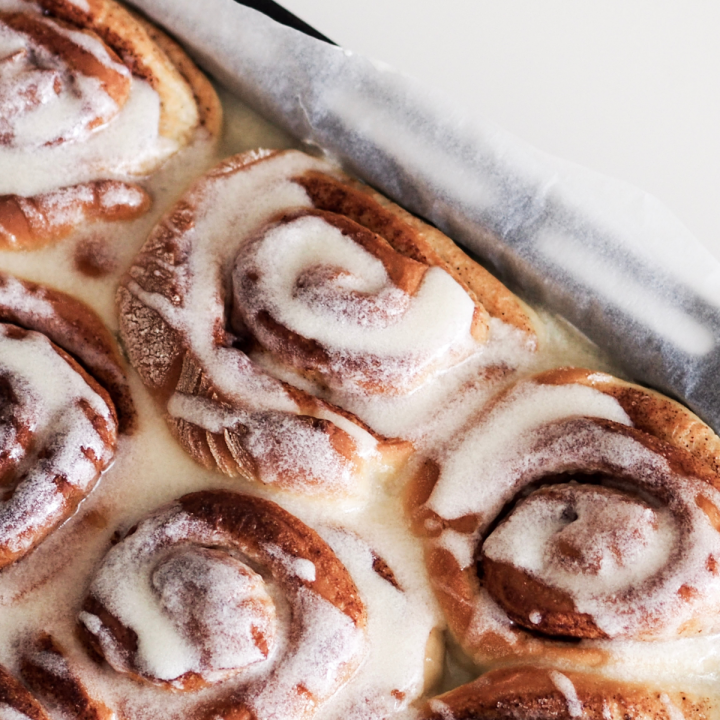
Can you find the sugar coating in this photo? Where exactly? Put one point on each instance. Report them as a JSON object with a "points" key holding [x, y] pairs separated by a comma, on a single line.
{"points": [[487, 449], [259, 401], [319, 283], [400, 623], [152, 470], [14, 294], [301, 567], [627, 556], [67, 115], [565, 685], [277, 441], [615, 545]]}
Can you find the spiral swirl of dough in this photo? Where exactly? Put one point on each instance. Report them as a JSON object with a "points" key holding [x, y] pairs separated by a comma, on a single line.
{"points": [[573, 508], [88, 99], [230, 591], [333, 298], [58, 431], [213, 357]]}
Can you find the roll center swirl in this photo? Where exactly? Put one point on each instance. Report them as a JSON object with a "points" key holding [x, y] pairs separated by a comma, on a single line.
{"points": [[335, 299], [218, 604], [586, 543]]}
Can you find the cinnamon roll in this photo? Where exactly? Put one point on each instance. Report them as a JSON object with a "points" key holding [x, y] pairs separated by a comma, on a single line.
{"points": [[277, 260], [577, 508], [91, 96], [231, 592], [59, 425], [546, 694]]}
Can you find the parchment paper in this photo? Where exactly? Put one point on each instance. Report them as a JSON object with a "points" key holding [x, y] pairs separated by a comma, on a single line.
{"points": [[607, 256]]}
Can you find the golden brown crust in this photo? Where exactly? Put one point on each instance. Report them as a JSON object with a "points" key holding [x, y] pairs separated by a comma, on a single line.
{"points": [[206, 99], [29, 223], [311, 356], [14, 694], [187, 99], [38, 445], [653, 413], [544, 694], [73, 326], [170, 365], [48, 678], [254, 523]]}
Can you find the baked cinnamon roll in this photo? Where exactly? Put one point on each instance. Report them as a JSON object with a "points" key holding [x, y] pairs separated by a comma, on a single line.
{"points": [[59, 423], [231, 592], [577, 512], [91, 96], [547, 694], [277, 263]]}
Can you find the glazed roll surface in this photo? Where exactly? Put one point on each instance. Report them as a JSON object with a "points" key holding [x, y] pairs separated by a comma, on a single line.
{"points": [[277, 260], [59, 424], [227, 590], [570, 510]]}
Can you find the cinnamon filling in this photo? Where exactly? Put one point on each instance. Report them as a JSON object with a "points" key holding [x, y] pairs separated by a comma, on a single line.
{"points": [[584, 537]]}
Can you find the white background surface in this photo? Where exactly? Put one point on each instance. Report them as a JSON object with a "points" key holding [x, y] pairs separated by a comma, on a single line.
{"points": [[627, 87]]}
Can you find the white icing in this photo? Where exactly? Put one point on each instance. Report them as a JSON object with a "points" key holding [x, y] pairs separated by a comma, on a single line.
{"points": [[125, 146], [13, 294], [411, 334], [315, 650], [221, 226], [400, 621], [487, 449], [82, 4], [461, 547], [50, 393], [300, 567], [641, 597], [10, 713], [150, 470], [566, 687], [629, 548], [673, 711]]}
